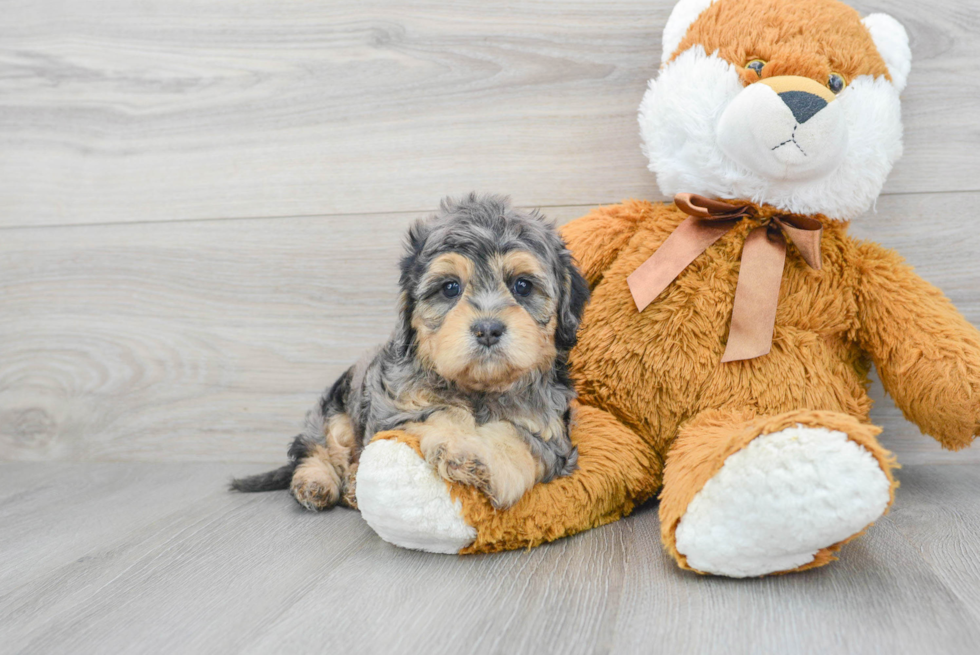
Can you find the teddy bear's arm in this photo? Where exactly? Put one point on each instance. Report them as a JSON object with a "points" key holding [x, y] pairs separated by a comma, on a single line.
{"points": [[409, 504], [926, 353], [597, 238]]}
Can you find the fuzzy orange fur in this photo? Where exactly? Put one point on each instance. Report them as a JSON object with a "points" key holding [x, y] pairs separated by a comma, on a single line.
{"points": [[707, 441], [652, 388], [647, 377], [616, 472], [832, 41]]}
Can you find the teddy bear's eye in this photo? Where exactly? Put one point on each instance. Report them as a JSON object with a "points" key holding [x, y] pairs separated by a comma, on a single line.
{"points": [[836, 82], [757, 65]]}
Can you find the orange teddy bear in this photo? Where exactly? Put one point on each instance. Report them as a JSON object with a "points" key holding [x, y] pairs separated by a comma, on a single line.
{"points": [[723, 361]]}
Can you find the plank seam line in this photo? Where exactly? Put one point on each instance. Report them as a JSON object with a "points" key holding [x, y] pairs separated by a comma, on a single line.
{"points": [[400, 212]]}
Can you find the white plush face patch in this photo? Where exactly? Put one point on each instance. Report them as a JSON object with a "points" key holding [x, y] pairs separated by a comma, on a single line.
{"points": [[800, 148], [793, 136]]}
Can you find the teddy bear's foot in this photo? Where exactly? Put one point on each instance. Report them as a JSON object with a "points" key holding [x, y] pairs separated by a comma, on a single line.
{"points": [[781, 501], [405, 500], [774, 505]]}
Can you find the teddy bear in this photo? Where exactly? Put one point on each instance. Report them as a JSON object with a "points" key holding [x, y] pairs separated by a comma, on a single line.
{"points": [[723, 360]]}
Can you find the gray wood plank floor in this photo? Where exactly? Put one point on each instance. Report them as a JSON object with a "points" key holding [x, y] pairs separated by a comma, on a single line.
{"points": [[200, 209], [144, 557]]}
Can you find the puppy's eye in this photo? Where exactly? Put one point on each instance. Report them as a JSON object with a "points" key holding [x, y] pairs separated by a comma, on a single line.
{"points": [[450, 289], [756, 65], [836, 82], [522, 287]]}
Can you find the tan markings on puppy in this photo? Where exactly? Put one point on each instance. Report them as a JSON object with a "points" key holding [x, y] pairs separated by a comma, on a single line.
{"points": [[350, 487], [315, 483], [428, 315], [448, 348], [528, 344], [342, 454], [451, 351], [532, 345], [547, 430], [340, 438], [834, 40], [519, 262], [417, 398], [491, 457], [443, 340], [451, 264]]}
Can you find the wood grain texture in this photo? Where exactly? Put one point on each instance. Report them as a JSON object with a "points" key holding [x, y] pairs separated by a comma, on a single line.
{"points": [[881, 597], [122, 110], [944, 530], [562, 600], [166, 584], [201, 205], [215, 572], [209, 340]]}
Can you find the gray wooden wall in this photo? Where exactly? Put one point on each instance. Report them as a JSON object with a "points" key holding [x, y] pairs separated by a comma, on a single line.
{"points": [[201, 202]]}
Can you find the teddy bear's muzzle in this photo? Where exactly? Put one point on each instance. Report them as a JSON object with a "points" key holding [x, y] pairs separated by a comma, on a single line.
{"points": [[785, 128]]}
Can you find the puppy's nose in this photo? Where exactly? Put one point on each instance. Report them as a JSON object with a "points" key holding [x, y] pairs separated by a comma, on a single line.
{"points": [[488, 331], [803, 105]]}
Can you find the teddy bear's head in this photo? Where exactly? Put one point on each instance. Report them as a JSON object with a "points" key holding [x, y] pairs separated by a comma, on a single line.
{"points": [[792, 103]]}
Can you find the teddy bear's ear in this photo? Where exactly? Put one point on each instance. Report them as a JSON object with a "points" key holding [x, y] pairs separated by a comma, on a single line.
{"points": [[893, 45], [685, 12]]}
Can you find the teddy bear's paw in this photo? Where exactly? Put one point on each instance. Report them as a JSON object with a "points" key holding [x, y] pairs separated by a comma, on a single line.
{"points": [[406, 502], [774, 505]]}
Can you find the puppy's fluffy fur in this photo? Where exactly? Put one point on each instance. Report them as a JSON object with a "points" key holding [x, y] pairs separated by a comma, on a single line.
{"points": [[476, 367]]}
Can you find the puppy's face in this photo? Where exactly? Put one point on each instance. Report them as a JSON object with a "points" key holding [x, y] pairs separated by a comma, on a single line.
{"points": [[486, 294], [483, 324]]}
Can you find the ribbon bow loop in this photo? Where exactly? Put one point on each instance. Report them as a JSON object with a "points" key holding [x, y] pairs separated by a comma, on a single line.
{"points": [[760, 273], [709, 209]]}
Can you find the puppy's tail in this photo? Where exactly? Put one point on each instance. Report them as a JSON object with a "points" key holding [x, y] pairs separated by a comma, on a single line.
{"points": [[271, 481], [282, 476]]}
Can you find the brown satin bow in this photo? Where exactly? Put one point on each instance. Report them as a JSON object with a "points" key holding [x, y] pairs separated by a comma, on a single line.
{"points": [[763, 258]]}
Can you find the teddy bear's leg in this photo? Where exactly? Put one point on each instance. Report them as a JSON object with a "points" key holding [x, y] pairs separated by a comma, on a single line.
{"points": [[406, 502], [750, 495]]}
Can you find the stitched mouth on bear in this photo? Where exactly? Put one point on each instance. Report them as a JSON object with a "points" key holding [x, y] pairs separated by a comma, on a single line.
{"points": [[782, 133]]}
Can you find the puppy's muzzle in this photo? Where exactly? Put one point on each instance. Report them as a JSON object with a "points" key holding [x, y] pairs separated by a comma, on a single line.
{"points": [[488, 331]]}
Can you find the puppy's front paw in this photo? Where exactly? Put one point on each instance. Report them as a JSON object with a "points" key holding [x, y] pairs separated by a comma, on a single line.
{"points": [[462, 467], [350, 487], [503, 483], [315, 485]]}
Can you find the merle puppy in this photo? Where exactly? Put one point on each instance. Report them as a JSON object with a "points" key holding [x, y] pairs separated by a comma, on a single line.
{"points": [[476, 367]]}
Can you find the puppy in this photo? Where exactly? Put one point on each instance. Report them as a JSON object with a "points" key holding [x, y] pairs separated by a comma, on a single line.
{"points": [[476, 367]]}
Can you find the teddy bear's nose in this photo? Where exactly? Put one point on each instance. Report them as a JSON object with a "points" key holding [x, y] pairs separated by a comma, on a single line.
{"points": [[803, 105], [804, 97]]}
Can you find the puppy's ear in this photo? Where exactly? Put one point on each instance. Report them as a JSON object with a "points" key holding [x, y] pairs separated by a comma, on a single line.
{"points": [[411, 266], [414, 244], [571, 304]]}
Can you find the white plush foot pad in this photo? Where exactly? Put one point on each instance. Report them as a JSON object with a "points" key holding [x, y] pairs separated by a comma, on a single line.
{"points": [[777, 502], [405, 501]]}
